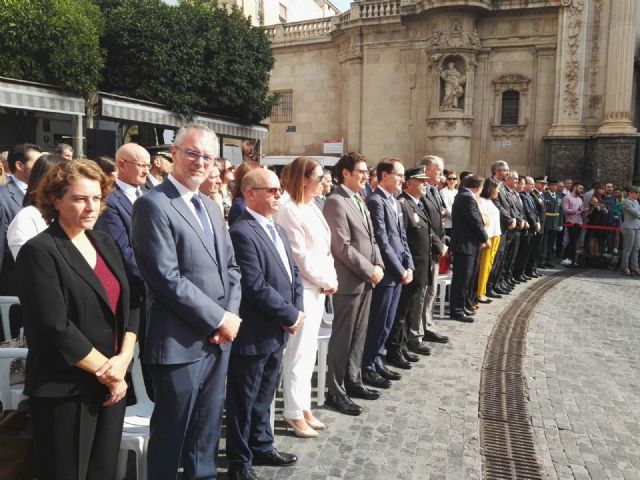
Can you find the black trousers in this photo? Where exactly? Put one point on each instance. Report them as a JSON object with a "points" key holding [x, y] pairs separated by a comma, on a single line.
{"points": [[76, 438], [463, 271], [498, 262], [513, 243], [522, 255], [570, 251]]}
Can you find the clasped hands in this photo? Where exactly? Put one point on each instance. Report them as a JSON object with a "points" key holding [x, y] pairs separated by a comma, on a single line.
{"points": [[111, 375], [296, 326], [227, 330]]}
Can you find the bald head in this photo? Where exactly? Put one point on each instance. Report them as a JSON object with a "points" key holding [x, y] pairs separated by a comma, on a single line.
{"points": [[132, 162], [261, 191]]}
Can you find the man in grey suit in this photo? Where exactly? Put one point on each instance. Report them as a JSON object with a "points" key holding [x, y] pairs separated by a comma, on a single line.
{"points": [[186, 259], [358, 265], [20, 159]]}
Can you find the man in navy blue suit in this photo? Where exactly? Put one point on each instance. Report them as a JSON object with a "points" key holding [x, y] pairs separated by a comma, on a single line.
{"points": [[132, 164], [272, 308], [185, 256], [388, 228], [468, 236]]}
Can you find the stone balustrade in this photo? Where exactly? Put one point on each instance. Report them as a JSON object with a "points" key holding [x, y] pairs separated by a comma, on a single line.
{"points": [[379, 9], [299, 31]]}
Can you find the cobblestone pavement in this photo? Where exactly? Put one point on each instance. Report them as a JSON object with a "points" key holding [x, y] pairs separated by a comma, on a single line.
{"points": [[583, 371], [424, 428]]}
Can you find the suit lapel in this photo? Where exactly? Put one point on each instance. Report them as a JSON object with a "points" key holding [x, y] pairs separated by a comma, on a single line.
{"points": [[354, 208], [123, 200], [112, 263], [16, 194], [413, 206], [77, 262], [181, 207], [272, 248]]}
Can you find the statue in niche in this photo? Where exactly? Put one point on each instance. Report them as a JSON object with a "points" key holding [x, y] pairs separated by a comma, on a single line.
{"points": [[453, 86]]}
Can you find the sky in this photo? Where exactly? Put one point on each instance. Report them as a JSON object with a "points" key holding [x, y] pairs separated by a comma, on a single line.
{"points": [[343, 5]]}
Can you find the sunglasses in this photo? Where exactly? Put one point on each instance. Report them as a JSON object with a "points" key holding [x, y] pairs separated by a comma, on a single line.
{"points": [[270, 190], [452, 178]]}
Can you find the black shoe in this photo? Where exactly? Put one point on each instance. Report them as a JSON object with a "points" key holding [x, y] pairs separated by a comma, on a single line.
{"points": [[396, 359], [420, 348], [343, 405], [499, 291], [461, 317], [247, 474], [469, 313], [363, 392], [276, 459], [549, 265], [409, 356], [375, 380], [523, 279], [384, 372], [493, 294], [430, 336]]}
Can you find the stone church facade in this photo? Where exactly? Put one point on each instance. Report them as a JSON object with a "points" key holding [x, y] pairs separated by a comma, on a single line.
{"points": [[549, 86]]}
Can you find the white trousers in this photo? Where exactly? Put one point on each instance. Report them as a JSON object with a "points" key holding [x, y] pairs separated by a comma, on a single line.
{"points": [[300, 357]]}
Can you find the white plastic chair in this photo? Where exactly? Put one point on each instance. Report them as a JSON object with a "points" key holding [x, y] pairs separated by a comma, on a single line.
{"points": [[135, 432], [5, 307], [10, 395], [323, 349], [444, 281]]}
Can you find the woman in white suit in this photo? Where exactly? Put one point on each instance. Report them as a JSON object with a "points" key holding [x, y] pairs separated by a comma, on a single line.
{"points": [[309, 236]]}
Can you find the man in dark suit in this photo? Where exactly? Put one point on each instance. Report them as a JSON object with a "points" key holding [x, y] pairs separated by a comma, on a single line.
{"points": [[132, 164], [508, 222], [388, 228], [436, 210], [358, 265], [467, 237], [530, 229], [20, 159], [406, 332], [517, 210], [185, 256], [272, 307]]}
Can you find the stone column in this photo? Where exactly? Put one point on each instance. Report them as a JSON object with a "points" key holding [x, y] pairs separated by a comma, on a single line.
{"points": [[617, 100], [77, 127], [570, 67]]}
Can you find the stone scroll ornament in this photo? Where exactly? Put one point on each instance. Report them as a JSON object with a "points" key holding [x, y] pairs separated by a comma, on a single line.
{"points": [[453, 86]]}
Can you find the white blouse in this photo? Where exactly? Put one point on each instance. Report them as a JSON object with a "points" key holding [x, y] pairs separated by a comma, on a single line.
{"points": [[448, 196], [27, 223], [493, 228]]}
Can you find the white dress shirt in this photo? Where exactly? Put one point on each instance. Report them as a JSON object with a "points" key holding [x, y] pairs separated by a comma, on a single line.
{"points": [[264, 221], [27, 223], [186, 195], [129, 190]]}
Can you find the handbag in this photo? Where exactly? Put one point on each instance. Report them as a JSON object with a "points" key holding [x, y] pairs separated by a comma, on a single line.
{"points": [[445, 264], [16, 443], [18, 366]]}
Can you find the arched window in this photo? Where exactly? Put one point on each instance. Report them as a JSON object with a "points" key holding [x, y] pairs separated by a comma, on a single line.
{"points": [[510, 107]]}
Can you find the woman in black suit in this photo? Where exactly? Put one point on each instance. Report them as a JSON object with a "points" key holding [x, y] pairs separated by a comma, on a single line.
{"points": [[75, 296]]}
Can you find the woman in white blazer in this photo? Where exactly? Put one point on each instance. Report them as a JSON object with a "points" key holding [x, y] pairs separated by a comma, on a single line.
{"points": [[630, 232], [309, 236]]}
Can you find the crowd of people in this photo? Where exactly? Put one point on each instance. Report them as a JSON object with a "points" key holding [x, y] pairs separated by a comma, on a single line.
{"points": [[222, 276]]}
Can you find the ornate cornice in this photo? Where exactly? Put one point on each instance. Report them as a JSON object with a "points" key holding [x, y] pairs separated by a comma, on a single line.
{"points": [[508, 131], [455, 38]]}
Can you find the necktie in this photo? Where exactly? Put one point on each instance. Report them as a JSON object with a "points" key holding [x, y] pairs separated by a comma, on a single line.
{"points": [[279, 248], [362, 210], [138, 192], [204, 220]]}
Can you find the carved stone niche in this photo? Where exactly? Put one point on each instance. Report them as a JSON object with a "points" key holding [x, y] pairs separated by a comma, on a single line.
{"points": [[453, 83], [511, 82]]}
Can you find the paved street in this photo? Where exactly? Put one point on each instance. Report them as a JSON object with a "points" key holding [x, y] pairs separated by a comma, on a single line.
{"points": [[425, 427], [583, 369]]}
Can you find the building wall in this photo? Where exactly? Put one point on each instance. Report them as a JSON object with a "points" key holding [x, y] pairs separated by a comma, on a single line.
{"points": [[382, 63]]}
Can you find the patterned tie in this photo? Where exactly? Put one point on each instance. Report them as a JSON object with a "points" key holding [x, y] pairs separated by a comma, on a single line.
{"points": [[138, 192], [204, 220], [362, 210], [279, 248]]}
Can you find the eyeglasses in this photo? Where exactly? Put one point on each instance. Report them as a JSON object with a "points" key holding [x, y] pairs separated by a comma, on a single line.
{"points": [[270, 190], [192, 155], [146, 166], [452, 178]]}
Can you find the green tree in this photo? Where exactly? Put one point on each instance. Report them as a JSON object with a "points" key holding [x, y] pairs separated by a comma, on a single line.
{"points": [[52, 41], [195, 56]]}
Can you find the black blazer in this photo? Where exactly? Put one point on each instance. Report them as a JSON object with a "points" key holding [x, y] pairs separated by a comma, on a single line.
{"points": [[434, 206], [67, 312], [418, 228], [468, 230]]}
